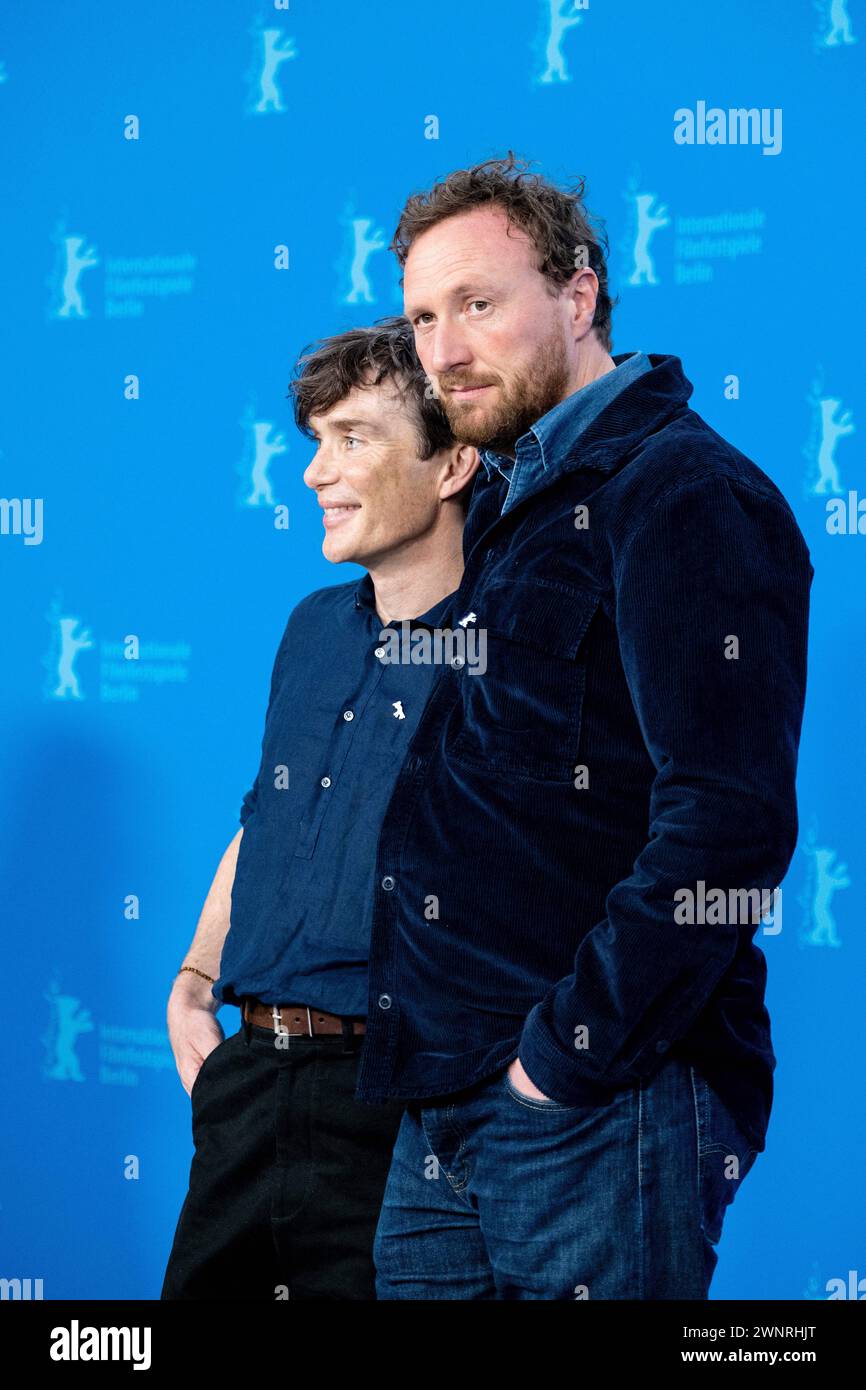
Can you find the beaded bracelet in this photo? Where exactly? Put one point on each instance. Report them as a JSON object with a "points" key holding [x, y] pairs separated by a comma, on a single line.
{"points": [[196, 972]]}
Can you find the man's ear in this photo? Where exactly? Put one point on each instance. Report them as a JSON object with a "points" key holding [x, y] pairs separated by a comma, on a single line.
{"points": [[582, 293], [462, 461]]}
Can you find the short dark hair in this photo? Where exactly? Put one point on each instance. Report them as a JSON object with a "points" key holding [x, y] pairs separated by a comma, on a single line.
{"points": [[554, 219], [330, 368]]}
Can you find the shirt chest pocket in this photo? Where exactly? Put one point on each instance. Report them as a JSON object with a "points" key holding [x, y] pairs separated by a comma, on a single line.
{"points": [[521, 714]]}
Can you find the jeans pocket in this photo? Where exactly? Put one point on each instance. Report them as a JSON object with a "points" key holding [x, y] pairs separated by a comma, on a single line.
{"points": [[533, 1102], [193, 1093], [724, 1156]]}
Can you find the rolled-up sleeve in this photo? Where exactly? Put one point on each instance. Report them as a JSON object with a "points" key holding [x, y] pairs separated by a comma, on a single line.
{"points": [[712, 600], [250, 801], [248, 805]]}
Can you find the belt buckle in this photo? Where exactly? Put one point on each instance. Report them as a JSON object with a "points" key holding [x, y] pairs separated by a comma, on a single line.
{"points": [[277, 1016]]}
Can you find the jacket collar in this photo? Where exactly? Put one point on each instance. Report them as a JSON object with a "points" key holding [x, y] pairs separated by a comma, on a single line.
{"points": [[576, 434]]}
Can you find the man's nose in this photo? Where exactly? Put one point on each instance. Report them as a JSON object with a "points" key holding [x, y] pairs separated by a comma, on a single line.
{"points": [[319, 470], [446, 349]]}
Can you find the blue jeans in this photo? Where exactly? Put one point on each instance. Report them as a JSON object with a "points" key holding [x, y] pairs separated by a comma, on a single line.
{"points": [[493, 1195]]}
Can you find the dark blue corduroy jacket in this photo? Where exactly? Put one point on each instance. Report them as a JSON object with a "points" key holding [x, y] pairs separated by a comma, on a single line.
{"points": [[634, 736]]}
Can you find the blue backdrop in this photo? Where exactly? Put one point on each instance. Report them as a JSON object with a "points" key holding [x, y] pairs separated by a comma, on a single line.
{"points": [[192, 193]]}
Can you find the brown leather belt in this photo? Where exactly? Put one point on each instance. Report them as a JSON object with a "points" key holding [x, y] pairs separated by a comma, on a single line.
{"points": [[296, 1019]]}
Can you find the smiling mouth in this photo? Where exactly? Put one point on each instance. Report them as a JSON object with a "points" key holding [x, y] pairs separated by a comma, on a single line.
{"points": [[332, 516]]}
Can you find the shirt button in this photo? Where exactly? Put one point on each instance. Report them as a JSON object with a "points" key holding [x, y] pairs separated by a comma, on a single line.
{"points": [[662, 1046], [348, 714], [457, 662], [388, 883], [326, 781], [384, 1001]]}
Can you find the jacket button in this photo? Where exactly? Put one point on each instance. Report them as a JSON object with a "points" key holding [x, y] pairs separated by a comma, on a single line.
{"points": [[388, 883], [457, 662], [326, 781], [348, 715], [384, 1001]]}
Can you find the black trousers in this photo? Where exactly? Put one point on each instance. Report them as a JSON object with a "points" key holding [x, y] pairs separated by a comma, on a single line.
{"points": [[288, 1173]]}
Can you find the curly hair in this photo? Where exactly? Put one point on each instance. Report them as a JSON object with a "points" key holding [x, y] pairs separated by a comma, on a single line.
{"points": [[330, 368], [554, 219]]}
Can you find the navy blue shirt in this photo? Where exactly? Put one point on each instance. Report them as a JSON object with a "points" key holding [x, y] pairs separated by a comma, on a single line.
{"points": [[644, 589], [338, 722]]}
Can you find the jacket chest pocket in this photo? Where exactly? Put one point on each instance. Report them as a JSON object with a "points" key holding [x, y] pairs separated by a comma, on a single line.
{"points": [[521, 715]]}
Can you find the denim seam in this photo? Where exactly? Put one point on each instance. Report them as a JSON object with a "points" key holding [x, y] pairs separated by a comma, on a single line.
{"points": [[721, 1148], [449, 1116], [455, 1186]]}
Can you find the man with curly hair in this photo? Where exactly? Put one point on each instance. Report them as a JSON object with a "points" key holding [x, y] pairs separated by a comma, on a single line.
{"points": [[565, 986], [289, 1167]]}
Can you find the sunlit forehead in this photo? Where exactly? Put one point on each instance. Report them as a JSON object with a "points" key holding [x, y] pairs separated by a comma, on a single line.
{"points": [[476, 255]]}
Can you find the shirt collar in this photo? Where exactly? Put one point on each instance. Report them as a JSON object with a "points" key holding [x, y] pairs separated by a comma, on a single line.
{"points": [[551, 438], [365, 598]]}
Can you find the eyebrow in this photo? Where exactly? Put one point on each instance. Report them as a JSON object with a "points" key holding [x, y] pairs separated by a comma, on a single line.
{"points": [[458, 292], [346, 422]]}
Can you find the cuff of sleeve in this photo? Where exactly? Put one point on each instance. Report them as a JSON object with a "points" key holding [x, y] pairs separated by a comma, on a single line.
{"points": [[554, 1073]]}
